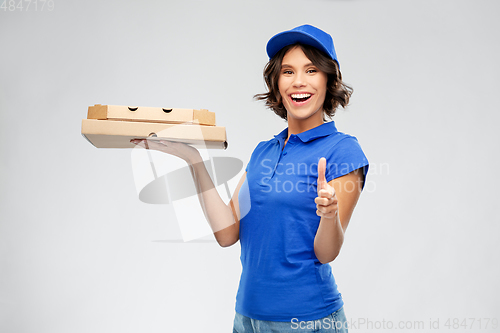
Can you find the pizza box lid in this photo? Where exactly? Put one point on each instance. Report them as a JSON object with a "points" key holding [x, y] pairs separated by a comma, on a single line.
{"points": [[151, 114]]}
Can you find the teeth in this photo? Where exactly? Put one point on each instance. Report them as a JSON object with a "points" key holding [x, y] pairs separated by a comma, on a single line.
{"points": [[300, 95]]}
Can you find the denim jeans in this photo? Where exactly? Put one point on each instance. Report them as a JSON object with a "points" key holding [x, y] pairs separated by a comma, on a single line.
{"points": [[333, 323]]}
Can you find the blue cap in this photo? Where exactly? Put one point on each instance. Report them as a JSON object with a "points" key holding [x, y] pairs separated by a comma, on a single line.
{"points": [[305, 34]]}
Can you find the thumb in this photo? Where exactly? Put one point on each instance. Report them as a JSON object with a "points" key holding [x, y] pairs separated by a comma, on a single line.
{"points": [[321, 174]]}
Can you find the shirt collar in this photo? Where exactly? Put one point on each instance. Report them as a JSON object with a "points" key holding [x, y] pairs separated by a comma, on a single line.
{"points": [[314, 133]]}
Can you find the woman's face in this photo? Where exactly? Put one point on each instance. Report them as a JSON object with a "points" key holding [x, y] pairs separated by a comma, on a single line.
{"points": [[302, 87]]}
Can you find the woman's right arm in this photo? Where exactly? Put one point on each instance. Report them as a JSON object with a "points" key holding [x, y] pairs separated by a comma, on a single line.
{"points": [[223, 219]]}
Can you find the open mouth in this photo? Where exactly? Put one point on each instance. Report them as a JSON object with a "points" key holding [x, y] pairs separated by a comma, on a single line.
{"points": [[298, 98]]}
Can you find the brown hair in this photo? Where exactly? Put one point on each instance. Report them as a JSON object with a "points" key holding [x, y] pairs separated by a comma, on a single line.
{"points": [[337, 92]]}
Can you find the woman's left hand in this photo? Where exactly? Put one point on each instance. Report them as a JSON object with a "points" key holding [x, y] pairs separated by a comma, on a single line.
{"points": [[326, 201]]}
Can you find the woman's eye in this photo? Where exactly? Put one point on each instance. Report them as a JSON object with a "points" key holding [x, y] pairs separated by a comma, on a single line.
{"points": [[287, 72], [312, 71]]}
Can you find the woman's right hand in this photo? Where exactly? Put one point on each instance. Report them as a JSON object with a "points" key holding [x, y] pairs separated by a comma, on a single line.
{"points": [[186, 152]]}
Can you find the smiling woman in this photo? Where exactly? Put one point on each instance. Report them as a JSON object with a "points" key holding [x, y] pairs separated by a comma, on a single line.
{"points": [[303, 89], [337, 92], [294, 202], [286, 245]]}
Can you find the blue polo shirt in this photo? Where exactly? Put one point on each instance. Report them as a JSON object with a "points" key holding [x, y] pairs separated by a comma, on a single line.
{"points": [[281, 277]]}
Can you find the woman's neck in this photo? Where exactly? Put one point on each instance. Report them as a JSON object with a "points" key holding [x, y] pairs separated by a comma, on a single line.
{"points": [[296, 126]]}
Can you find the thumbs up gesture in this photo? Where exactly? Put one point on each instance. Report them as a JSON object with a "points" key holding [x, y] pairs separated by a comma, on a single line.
{"points": [[326, 201]]}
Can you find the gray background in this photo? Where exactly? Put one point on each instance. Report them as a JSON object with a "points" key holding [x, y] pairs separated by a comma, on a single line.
{"points": [[80, 253]]}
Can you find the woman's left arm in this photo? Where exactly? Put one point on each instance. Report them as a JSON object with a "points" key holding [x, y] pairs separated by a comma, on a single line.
{"points": [[335, 203]]}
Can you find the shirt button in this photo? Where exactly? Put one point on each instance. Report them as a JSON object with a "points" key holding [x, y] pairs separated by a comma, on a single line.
{"points": [[284, 153]]}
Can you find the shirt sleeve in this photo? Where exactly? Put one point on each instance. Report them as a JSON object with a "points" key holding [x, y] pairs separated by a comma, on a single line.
{"points": [[252, 156], [345, 157]]}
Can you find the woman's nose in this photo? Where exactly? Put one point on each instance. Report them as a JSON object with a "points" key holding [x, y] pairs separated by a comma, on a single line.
{"points": [[299, 80]]}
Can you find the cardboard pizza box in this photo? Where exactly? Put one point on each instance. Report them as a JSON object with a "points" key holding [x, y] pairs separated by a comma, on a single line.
{"points": [[151, 114], [110, 126]]}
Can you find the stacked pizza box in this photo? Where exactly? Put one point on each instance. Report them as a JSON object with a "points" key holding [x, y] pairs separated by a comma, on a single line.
{"points": [[113, 126]]}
